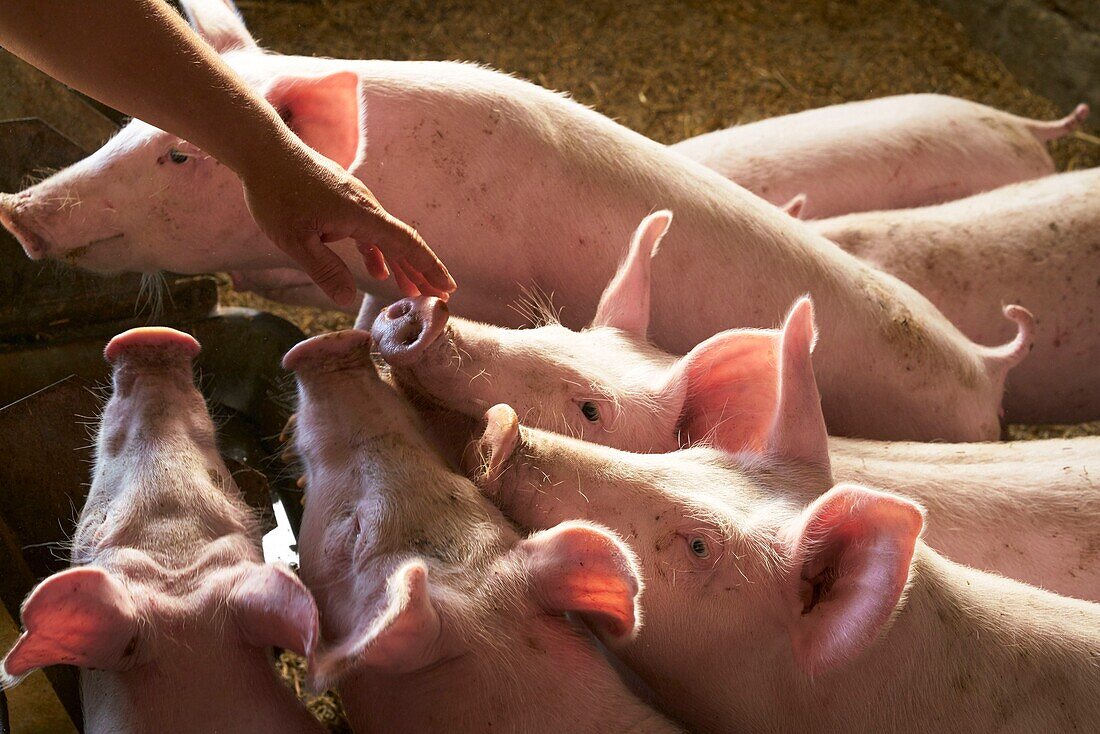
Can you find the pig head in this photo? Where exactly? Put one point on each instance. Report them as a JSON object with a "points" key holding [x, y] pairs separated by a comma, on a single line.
{"points": [[758, 575], [129, 205], [607, 383], [169, 609], [435, 613]]}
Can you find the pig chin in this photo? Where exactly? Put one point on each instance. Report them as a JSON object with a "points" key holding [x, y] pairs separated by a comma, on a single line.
{"points": [[432, 389], [111, 253], [438, 378]]}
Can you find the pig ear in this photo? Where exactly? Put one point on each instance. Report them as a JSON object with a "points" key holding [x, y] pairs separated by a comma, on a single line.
{"points": [[219, 24], [798, 426], [273, 608], [323, 111], [486, 455], [402, 637], [795, 206], [586, 570], [852, 550], [625, 302], [754, 390], [83, 617]]}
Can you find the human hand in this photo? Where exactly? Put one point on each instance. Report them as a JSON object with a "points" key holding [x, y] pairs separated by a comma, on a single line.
{"points": [[307, 200]]}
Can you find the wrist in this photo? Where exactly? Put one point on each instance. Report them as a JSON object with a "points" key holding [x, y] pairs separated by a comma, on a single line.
{"points": [[266, 145]]}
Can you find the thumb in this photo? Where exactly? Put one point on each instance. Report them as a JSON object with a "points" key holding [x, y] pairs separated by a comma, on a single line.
{"points": [[325, 269]]}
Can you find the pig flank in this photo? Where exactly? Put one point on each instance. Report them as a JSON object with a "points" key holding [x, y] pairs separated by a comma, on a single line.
{"points": [[1042, 240], [382, 506], [939, 647], [170, 608], [512, 168], [888, 153]]}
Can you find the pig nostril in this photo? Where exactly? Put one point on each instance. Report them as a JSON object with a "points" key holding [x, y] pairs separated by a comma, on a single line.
{"points": [[410, 333], [399, 309]]}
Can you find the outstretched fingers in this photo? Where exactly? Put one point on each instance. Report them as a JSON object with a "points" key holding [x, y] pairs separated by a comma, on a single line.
{"points": [[401, 243], [325, 268]]}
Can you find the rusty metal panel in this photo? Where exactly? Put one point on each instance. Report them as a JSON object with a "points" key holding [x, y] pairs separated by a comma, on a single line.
{"points": [[45, 443], [29, 147], [43, 482], [29, 92]]}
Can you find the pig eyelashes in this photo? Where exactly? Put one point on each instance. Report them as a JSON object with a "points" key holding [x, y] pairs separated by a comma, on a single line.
{"points": [[173, 155]]}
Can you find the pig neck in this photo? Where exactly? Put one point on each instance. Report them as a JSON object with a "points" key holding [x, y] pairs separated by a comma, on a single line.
{"points": [[178, 516], [199, 682], [967, 650], [1030, 518]]}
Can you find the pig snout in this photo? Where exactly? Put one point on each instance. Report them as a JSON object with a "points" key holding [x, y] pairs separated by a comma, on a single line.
{"points": [[405, 329], [18, 221], [152, 343], [338, 350]]}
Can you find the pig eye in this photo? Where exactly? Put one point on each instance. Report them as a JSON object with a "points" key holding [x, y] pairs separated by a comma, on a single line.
{"points": [[699, 547], [177, 156], [591, 411]]}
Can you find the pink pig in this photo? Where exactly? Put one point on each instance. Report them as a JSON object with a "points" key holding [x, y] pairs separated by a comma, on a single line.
{"points": [[888, 153], [1036, 244], [436, 615], [586, 389], [169, 609], [1023, 511], [774, 603], [519, 190]]}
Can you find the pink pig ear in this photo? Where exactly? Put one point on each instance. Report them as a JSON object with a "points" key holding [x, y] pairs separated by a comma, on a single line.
{"points": [[798, 426], [83, 617], [273, 608], [625, 302], [754, 390], [584, 569], [402, 637], [852, 550], [324, 111], [795, 206], [219, 24], [485, 455]]}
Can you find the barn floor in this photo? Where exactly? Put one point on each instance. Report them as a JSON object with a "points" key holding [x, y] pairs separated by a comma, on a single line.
{"points": [[670, 69]]}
